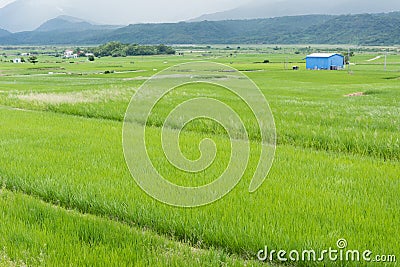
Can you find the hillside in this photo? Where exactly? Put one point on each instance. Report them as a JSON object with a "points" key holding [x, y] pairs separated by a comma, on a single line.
{"points": [[52, 37], [365, 29], [233, 31], [4, 33], [278, 8]]}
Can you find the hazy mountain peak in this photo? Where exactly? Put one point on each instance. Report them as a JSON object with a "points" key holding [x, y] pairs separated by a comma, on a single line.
{"points": [[70, 19], [72, 24], [22, 15], [66, 23]]}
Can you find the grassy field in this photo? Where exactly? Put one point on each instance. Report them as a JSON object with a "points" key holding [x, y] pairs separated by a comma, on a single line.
{"points": [[68, 198]]}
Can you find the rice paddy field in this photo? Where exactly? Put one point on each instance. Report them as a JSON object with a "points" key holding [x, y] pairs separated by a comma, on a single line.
{"points": [[67, 197]]}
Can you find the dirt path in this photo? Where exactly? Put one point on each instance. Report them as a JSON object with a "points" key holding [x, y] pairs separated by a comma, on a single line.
{"points": [[373, 59]]}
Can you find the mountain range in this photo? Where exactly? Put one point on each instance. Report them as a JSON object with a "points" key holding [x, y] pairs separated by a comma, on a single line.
{"points": [[362, 29], [279, 8], [28, 15]]}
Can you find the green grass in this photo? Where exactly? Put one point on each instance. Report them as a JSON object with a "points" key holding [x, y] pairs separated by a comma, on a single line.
{"points": [[310, 198], [336, 173], [310, 112], [34, 233]]}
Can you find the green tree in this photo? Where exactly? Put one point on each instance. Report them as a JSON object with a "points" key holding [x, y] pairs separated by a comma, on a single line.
{"points": [[117, 49], [347, 57], [33, 59]]}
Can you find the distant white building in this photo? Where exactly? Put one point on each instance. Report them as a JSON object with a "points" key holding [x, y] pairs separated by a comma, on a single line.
{"points": [[70, 54], [17, 60]]}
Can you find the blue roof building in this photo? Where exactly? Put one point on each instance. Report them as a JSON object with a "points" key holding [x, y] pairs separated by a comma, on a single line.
{"points": [[325, 61]]}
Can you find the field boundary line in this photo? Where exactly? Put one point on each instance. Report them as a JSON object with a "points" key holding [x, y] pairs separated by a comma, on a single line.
{"points": [[137, 228], [132, 224]]}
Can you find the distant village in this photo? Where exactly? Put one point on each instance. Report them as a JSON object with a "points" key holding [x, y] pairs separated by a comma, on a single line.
{"points": [[71, 54], [67, 54]]}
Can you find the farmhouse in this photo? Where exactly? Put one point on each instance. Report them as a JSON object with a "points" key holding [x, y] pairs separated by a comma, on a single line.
{"points": [[70, 54], [325, 61]]}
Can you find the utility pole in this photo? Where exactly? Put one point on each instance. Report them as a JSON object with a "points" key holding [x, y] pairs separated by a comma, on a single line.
{"points": [[286, 60], [348, 59], [385, 67], [284, 63]]}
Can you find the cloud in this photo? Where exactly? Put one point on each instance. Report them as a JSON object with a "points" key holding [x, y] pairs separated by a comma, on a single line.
{"points": [[127, 11], [164, 11], [5, 2]]}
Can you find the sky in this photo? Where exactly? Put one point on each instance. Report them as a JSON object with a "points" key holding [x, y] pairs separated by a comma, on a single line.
{"points": [[134, 11]]}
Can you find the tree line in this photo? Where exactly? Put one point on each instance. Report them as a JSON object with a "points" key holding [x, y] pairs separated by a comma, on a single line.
{"points": [[118, 49]]}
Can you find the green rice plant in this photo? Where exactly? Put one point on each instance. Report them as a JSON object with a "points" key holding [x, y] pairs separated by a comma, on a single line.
{"points": [[335, 173], [34, 233], [311, 198]]}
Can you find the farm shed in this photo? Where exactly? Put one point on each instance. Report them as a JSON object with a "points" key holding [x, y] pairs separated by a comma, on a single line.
{"points": [[325, 61]]}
